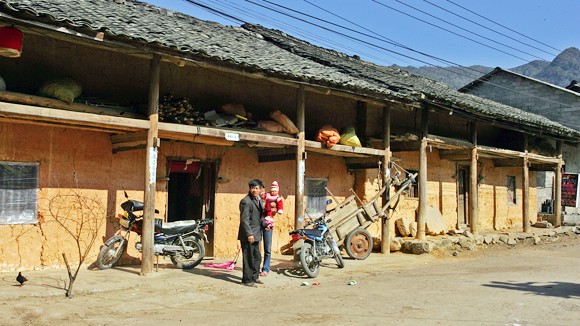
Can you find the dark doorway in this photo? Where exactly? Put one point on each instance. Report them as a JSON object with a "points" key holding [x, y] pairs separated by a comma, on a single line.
{"points": [[462, 196], [191, 193]]}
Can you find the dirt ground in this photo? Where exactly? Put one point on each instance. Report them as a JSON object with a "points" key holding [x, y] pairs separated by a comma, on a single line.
{"points": [[500, 285]]}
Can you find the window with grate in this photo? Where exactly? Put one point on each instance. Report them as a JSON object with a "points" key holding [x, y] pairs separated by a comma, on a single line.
{"points": [[511, 189], [315, 197], [18, 192]]}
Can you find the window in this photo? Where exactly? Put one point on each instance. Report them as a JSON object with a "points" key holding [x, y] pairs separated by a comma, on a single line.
{"points": [[18, 192], [315, 197], [511, 189], [413, 190]]}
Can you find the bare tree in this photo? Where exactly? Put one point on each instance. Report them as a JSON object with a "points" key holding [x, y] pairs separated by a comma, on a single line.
{"points": [[81, 217]]}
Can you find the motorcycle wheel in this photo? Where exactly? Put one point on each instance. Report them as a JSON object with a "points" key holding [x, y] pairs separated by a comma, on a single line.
{"points": [[358, 244], [337, 254], [310, 264], [188, 260], [111, 252]]}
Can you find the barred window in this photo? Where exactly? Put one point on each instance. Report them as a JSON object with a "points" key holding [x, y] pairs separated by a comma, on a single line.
{"points": [[511, 189], [315, 197], [18, 192]]}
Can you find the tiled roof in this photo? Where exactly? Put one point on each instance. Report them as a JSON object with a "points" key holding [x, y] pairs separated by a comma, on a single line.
{"points": [[254, 48], [397, 79]]}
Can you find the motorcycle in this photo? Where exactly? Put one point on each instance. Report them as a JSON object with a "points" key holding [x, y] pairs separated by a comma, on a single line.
{"points": [[315, 244], [182, 241]]}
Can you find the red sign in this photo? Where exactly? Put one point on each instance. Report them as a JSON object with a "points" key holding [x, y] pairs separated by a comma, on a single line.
{"points": [[570, 189]]}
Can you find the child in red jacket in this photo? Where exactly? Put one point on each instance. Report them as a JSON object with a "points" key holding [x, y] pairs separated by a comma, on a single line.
{"points": [[274, 204]]}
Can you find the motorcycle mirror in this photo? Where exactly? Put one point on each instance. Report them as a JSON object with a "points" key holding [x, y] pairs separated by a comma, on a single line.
{"points": [[328, 201], [126, 196]]}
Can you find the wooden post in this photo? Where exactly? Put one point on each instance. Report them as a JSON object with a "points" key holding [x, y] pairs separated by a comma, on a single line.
{"points": [[558, 187], [421, 216], [361, 121], [300, 160], [386, 176], [151, 169], [473, 193], [526, 188]]}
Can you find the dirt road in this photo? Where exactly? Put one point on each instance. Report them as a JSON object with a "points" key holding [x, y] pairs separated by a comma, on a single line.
{"points": [[527, 285]]}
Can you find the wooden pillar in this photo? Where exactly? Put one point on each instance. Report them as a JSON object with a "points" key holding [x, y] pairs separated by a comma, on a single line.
{"points": [[473, 193], [558, 187], [361, 121], [386, 176], [526, 188], [151, 169], [421, 215], [300, 204]]}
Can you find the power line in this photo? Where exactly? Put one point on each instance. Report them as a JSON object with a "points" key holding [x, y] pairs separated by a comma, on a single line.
{"points": [[553, 48], [447, 30], [490, 29], [221, 13], [466, 30]]}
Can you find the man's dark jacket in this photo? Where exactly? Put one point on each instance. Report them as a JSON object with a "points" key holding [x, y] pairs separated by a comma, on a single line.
{"points": [[250, 218]]}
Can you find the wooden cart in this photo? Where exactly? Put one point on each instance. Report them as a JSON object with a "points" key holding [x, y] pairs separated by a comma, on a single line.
{"points": [[351, 218]]}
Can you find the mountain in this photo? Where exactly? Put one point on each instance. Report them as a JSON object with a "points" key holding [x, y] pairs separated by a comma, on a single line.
{"points": [[561, 71]]}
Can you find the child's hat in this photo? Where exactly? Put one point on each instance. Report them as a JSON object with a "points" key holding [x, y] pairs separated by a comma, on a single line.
{"points": [[274, 186]]}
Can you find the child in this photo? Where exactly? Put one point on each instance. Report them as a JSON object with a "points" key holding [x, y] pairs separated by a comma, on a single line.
{"points": [[273, 205], [273, 200]]}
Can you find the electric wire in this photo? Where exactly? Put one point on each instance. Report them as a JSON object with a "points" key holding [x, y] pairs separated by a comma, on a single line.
{"points": [[509, 29], [489, 29], [447, 30], [466, 30], [368, 44]]}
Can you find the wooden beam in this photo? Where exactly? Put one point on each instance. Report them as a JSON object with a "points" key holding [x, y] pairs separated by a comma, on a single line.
{"points": [[361, 121], [421, 215], [386, 177], [558, 187], [526, 188], [454, 154], [276, 154], [46, 102], [473, 193], [342, 150], [300, 204], [73, 118], [148, 251]]}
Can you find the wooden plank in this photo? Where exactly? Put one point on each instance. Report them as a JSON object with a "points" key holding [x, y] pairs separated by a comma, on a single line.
{"points": [[33, 100], [342, 150], [57, 116]]}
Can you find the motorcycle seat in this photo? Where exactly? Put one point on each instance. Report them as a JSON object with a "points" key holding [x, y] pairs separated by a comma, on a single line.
{"points": [[178, 227], [313, 233]]}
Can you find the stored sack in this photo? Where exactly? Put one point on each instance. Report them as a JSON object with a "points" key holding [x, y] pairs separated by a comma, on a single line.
{"points": [[328, 135], [349, 138], [271, 126], [281, 118], [233, 109], [64, 89]]}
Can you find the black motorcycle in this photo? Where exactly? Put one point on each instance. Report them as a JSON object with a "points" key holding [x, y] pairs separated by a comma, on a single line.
{"points": [[182, 241], [314, 243]]}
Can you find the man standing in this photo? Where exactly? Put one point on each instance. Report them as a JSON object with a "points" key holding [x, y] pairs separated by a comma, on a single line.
{"points": [[250, 233]]}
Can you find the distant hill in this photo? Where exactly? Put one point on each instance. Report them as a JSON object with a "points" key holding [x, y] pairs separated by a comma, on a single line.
{"points": [[561, 71]]}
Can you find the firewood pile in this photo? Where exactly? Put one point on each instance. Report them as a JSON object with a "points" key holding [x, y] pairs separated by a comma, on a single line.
{"points": [[179, 110]]}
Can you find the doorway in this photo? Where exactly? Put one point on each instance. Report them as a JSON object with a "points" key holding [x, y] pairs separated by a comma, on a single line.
{"points": [[462, 196], [191, 193]]}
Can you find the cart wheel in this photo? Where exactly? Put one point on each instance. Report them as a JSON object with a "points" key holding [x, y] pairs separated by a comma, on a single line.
{"points": [[358, 244]]}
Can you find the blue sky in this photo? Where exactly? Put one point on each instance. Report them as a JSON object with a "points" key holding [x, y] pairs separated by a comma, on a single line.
{"points": [[414, 32]]}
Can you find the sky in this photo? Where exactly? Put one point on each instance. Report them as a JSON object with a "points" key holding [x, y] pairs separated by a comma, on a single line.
{"points": [[493, 33]]}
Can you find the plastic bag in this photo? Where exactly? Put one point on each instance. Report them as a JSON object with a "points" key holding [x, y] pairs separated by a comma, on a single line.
{"points": [[349, 138], [328, 135]]}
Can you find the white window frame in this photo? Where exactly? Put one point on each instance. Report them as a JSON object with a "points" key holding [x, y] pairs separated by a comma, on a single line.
{"points": [[18, 192]]}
